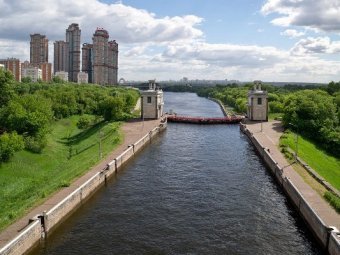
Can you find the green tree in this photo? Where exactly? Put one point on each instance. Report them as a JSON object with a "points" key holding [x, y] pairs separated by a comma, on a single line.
{"points": [[10, 143], [26, 79], [6, 86]]}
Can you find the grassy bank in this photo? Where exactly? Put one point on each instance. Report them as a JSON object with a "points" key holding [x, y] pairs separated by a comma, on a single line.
{"points": [[325, 165], [29, 178]]}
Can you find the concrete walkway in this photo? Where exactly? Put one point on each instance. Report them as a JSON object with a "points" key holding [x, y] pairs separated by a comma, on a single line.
{"points": [[133, 131], [269, 138]]}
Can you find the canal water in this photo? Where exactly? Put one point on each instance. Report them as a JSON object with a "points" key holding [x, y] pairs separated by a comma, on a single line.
{"points": [[194, 190]]}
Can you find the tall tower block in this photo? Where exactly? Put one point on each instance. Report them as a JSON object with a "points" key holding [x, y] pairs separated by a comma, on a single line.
{"points": [[73, 40]]}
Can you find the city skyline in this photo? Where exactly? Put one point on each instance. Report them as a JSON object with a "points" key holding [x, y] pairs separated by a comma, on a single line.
{"points": [[272, 40]]}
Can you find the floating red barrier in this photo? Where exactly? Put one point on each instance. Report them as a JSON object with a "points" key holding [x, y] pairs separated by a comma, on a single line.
{"points": [[204, 120]]}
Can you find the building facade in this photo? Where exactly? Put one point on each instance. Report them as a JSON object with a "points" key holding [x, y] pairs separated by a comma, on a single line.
{"points": [[38, 49], [112, 63], [14, 66], [257, 103], [104, 58], [34, 73], [87, 59], [152, 102], [83, 77], [46, 71], [73, 33], [61, 52], [100, 56], [62, 75]]}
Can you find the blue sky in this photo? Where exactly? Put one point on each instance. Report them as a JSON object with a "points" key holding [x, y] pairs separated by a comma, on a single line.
{"points": [[270, 40]]}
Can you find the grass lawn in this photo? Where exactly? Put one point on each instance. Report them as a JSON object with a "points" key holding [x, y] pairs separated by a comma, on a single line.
{"points": [[29, 178], [325, 165]]}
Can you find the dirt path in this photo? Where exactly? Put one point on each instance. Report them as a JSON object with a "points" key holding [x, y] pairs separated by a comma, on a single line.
{"points": [[133, 131]]}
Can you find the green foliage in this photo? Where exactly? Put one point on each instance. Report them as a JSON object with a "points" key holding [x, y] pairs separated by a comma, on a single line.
{"points": [[314, 114], [10, 143], [6, 90], [333, 200], [57, 79], [112, 108], [26, 79], [30, 108], [84, 121], [36, 143]]}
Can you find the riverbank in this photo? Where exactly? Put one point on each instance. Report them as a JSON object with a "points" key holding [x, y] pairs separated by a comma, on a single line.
{"points": [[133, 132], [317, 213]]}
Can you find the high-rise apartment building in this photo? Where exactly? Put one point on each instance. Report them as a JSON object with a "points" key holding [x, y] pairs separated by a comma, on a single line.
{"points": [[73, 40], [102, 57], [61, 52], [13, 65], [112, 62], [38, 49], [87, 59]]}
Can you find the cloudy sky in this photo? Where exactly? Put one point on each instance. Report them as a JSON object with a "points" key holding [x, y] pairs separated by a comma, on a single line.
{"points": [[269, 40]]}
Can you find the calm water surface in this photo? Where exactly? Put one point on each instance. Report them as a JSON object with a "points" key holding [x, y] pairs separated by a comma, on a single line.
{"points": [[194, 190]]}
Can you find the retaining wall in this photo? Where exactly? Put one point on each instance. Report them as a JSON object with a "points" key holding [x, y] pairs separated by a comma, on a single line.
{"points": [[328, 237], [40, 228], [25, 240]]}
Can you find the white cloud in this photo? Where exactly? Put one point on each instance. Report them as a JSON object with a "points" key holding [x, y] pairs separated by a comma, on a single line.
{"points": [[318, 45], [316, 14], [124, 23], [292, 33], [165, 47]]}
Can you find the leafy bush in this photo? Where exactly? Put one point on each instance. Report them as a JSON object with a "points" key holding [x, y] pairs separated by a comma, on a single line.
{"points": [[84, 122], [10, 143], [35, 143]]}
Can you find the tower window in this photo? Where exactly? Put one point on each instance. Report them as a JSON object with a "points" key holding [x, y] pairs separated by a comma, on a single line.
{"points": [[259, 100], [149, 100]]}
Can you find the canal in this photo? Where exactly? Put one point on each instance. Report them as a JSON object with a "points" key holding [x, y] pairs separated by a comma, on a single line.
{"points": [[194, 190]]}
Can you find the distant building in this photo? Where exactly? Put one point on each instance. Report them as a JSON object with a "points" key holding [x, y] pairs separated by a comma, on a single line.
{"points": [[46, 70], [73, 41], [100, 56], [87, 59], [13, 65], [112, 62], [38, 49], [100, 59], [82, 77], [34, 73], [257, 103], [152, 102], [61, 53], [62, 75]]}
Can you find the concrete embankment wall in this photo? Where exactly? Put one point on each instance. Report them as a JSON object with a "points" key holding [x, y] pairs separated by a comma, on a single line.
{"points": [[24, 241], [44, 223], [328, 237], [224, 111]]}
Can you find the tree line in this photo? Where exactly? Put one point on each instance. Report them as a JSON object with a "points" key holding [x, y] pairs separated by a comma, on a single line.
{"points": [[28, 110], [312, 111]]}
